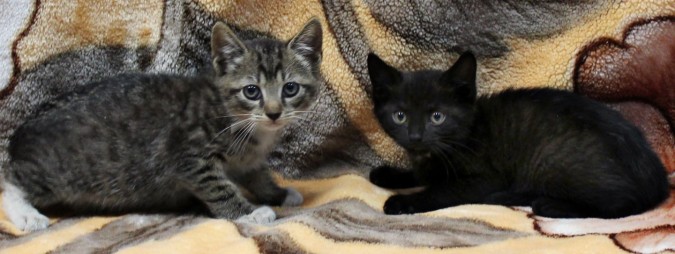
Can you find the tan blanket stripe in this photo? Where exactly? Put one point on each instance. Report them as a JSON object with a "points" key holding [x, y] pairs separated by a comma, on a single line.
{"points": [[128, 231], [25, 238], [63, 232], [277, 242]]}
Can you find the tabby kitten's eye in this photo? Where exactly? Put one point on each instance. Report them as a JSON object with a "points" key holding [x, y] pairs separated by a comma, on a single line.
{"points": [[252, 92], [399, 117], [437, 118], [291, 89]]}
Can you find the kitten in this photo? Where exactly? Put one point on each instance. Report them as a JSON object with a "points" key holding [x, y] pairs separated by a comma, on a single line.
{"points": [[159, 142], [563, 154]]}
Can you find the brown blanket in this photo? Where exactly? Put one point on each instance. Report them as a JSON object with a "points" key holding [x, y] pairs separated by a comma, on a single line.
{"points": [[619, 52]]}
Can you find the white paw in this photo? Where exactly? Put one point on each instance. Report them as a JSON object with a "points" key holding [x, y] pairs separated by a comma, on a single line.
{"points": [[22, 214], [261, 215], [293, 198], [29, 221]]}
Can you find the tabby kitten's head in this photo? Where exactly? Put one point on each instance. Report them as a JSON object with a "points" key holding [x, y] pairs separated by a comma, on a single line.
{"points": [[268, 82], [424, 111]]}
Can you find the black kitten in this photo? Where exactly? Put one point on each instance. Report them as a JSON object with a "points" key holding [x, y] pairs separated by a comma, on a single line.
{"points": [[562, 154]]}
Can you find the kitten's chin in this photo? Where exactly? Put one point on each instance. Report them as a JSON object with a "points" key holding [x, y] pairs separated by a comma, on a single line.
{"points": [[272, 126], [419, 155]]}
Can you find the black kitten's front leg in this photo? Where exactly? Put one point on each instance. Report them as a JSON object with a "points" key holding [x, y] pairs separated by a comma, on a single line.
{"points": [[464, 191], [393, 178], [424, 201]]}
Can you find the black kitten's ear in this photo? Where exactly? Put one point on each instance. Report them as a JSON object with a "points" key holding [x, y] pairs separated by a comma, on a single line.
{"points": [[227, 50], [461, 77], [382, 76], [307, 43]]}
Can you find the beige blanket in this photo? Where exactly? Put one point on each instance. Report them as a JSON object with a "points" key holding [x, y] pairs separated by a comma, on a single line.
{"points": [[619, 52]]}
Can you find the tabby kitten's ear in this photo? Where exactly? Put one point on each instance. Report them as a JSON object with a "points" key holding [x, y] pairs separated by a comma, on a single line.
{"points": [[461, 77], [227, 50], [307, 43], [382, 76]]}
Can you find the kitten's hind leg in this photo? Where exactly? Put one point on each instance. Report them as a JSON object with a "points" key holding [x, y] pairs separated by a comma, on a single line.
{"points": [[21, 213], [393, 178], [508, 198], [555, 208]]}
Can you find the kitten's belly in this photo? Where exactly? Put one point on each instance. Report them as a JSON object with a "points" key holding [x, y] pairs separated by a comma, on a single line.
{"points": [[164, 198], [255, 155], [245, 161]]}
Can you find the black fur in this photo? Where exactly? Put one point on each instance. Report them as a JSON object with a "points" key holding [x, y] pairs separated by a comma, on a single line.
{"points": [[562, 154]]}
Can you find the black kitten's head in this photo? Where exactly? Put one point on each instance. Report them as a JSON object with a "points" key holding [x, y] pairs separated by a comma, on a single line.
{"points": [[424, 111]]}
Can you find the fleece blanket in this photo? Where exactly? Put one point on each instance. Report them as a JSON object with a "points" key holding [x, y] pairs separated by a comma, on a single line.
{"points": [[619, 52]]}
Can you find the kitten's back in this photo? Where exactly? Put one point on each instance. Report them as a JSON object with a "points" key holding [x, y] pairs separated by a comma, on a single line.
{"points": [[87, 139], [585, 139]]}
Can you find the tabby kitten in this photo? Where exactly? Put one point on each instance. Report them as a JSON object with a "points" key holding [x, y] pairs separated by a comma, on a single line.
{"points": [[563, 154], [158, 142]]}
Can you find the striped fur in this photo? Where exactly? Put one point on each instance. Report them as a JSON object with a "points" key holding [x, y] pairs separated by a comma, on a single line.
{"points": [[158, 142]]}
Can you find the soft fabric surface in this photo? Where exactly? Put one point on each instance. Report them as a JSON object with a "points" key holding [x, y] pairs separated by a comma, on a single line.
{"points": [[618, 52]]}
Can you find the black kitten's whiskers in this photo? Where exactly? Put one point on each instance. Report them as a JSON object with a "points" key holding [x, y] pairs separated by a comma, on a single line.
{"points": [[564, 155]]}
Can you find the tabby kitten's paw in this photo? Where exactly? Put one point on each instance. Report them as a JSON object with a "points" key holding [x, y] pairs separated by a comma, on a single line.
{"points": [[261, 215], [20, 212], [398, 204], [293, 198], [29, 220]]}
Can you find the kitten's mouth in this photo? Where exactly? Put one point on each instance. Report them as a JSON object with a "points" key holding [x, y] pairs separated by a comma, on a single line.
{"points": [[273, 125], [419, 152], [420, 155]]}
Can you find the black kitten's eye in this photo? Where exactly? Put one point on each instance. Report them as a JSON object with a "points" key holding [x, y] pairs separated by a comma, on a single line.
{"points": [[437, 118], [251, 92], [291, 89], [399, 117]]}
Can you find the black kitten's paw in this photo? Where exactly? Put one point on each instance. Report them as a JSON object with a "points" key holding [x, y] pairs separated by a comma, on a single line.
{"points": [[398, 204], [393, 178], [553, 208], [379, 176]]}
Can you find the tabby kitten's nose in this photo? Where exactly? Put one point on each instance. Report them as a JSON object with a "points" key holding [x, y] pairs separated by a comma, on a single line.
{"points": [[273, 116]]}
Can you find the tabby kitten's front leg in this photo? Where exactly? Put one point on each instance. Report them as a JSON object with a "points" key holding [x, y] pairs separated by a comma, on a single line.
{"points": [[209, 183], [260, 183]]}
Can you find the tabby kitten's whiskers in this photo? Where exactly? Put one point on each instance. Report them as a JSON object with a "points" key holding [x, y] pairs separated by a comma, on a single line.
{"points": [[160, 143]]}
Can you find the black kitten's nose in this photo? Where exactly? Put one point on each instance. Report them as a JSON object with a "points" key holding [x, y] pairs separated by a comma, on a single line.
{"points": [[273, 116], [415, 138]]}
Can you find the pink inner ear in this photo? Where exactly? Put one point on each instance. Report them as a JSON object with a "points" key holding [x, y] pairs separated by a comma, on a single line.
{"points": [[636, 76]]}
